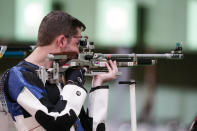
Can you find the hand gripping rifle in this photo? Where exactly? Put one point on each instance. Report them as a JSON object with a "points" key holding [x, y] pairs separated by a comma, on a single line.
{"points": [[95, 62]]}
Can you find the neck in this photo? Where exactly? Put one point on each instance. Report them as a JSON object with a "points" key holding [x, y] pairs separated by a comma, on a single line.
{"points": [[38, 56]]}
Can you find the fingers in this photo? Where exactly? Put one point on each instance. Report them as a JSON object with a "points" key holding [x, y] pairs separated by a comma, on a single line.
{"points": [[113, 66], [106, 76], [108, 67]]}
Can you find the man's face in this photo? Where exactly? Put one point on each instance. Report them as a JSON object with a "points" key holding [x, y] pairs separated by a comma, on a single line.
{"points": [[72, 43]]}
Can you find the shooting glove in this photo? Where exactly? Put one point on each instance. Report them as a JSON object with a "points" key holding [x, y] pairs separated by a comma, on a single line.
{"points": [[75, 76]]}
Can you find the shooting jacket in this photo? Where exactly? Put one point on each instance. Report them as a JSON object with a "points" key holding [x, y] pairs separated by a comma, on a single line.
{"points": [[38, 107]]}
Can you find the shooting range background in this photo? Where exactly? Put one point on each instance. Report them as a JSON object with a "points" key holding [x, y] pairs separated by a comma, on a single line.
{"points": [[166, 93]]}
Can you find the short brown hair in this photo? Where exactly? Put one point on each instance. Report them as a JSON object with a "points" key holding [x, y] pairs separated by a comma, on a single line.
{"points": [[57, 23]]}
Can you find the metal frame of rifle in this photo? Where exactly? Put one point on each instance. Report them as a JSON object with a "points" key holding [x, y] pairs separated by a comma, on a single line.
{"points": [[95, 62]]}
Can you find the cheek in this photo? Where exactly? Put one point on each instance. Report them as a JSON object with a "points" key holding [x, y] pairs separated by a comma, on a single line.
{"points": [[72, 46], [75, 44]]}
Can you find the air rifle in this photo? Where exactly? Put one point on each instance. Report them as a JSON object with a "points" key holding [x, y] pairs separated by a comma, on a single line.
{"points": [[95, 62]]}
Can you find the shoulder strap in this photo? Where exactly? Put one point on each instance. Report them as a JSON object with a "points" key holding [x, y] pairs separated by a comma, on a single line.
{"points": [[4, 86], [2, 93]]}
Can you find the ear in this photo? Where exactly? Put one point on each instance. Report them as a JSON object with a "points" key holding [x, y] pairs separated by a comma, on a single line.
{"points": [[60, 41]]}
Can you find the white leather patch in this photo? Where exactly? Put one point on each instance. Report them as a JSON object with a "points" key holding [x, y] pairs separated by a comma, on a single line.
{"points": [[30, 103], [98, 106], [75, 97]]}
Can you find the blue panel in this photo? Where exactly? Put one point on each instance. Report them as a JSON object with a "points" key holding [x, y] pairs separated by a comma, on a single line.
{"points": [[14, 54]]}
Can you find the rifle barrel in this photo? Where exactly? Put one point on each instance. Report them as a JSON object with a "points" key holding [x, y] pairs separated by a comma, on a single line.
{"points": [[143, 56]]}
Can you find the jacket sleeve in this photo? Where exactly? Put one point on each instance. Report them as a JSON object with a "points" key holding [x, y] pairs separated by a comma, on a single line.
{"points": [[29, 97], [98, 106]]}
